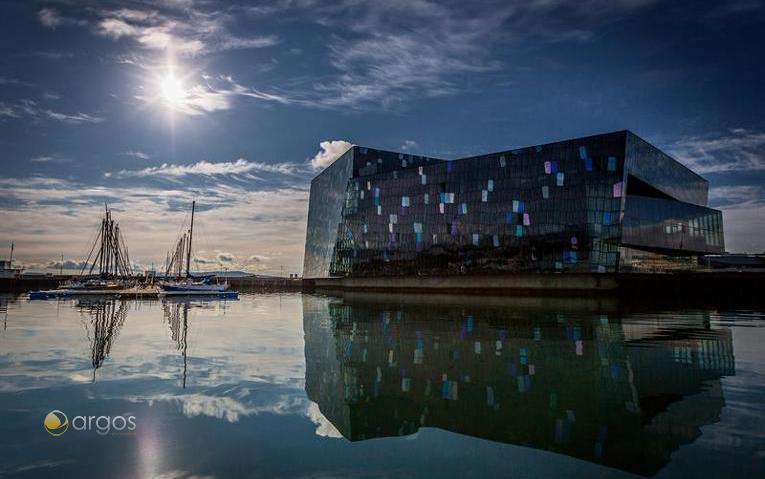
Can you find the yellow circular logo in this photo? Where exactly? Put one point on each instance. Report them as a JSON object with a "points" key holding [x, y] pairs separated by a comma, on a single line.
{"points": [[56, 423]]}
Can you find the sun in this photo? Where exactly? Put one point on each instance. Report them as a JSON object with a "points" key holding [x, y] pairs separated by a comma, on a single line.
{"points": [[172, 89]]}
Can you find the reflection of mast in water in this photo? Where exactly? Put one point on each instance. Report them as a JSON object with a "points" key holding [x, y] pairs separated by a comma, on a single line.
{"points": [[177, 317], [4, 312], [106, 320]]}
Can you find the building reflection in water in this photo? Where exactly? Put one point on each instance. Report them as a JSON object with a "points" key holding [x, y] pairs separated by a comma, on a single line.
{"points": [[103, 321], [620, 389]]}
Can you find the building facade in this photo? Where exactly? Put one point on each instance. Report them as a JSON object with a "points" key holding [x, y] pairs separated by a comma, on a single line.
{"points": [[603, 203]]}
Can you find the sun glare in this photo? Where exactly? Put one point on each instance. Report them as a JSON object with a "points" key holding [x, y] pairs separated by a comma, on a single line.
{"points": [[172, 89]]}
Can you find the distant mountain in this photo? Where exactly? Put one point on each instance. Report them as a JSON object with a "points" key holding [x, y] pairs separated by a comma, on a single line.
{"points": [[231, 274]]}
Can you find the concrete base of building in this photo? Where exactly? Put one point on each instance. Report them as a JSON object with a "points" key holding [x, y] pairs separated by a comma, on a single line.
{"points": [[474, 283], [749, 285]]}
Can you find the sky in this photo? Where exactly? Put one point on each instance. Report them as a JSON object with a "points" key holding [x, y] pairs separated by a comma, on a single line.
{"points": [[149, 105]]}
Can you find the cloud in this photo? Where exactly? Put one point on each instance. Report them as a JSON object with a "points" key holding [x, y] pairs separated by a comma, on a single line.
{"points": [[36, 466], [734, 7], [423, 51], [225, 258], [116, 28], [380, 67], [138, 155], [151, 37], [180, 474], [736, 150], [49, 159], [226, 408], [202, 260], [30, 109], [734, 195], [228, 214], [48, 55], [33, 182], [15, 81], [430, 48], [201, 99], [324, 427], [238, 43], [68, 264], [257, 258], [408, 145], [74, 118], [329, 152], [427, 49], [237, 89], [208, 168], [7, 111], [214, 94], [41, 159], [743, 208], [51, 18], [232, 409], [189, 29]]}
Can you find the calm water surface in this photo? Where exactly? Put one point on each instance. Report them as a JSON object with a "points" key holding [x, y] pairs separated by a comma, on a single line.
{"points": [[381, 385]]}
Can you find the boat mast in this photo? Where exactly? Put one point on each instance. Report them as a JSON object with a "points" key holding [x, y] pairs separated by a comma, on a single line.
{"points": [[108, 246], [117, 250], [191, 232], [102, 251]]}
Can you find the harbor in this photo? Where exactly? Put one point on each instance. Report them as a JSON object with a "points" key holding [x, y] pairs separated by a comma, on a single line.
{"points": [[138, 292], [110, 271]]}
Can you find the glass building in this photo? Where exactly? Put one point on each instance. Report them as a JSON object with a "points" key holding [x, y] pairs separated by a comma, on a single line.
{"points": [[603, 203]]}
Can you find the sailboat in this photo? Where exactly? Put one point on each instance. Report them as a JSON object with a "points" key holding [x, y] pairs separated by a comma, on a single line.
{"points": [[188, 284], [111, 261], [109, 272]]}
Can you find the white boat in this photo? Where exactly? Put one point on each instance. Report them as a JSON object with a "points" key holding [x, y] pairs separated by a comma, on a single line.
{"points": [[188, 285], [191, 287]]}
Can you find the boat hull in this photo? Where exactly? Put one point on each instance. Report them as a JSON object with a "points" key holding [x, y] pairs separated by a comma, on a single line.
{"points": [[66, 293]]}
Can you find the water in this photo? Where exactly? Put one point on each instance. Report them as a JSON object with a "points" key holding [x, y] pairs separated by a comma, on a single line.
{"points": [[379, 385]]}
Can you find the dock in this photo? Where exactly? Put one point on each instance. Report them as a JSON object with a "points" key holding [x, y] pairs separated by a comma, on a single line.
{"points": [[730, 285], [149, 292], [135, 292]]}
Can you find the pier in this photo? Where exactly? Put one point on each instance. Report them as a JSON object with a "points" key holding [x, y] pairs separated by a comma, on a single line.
{"points": [[746, 285]]}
